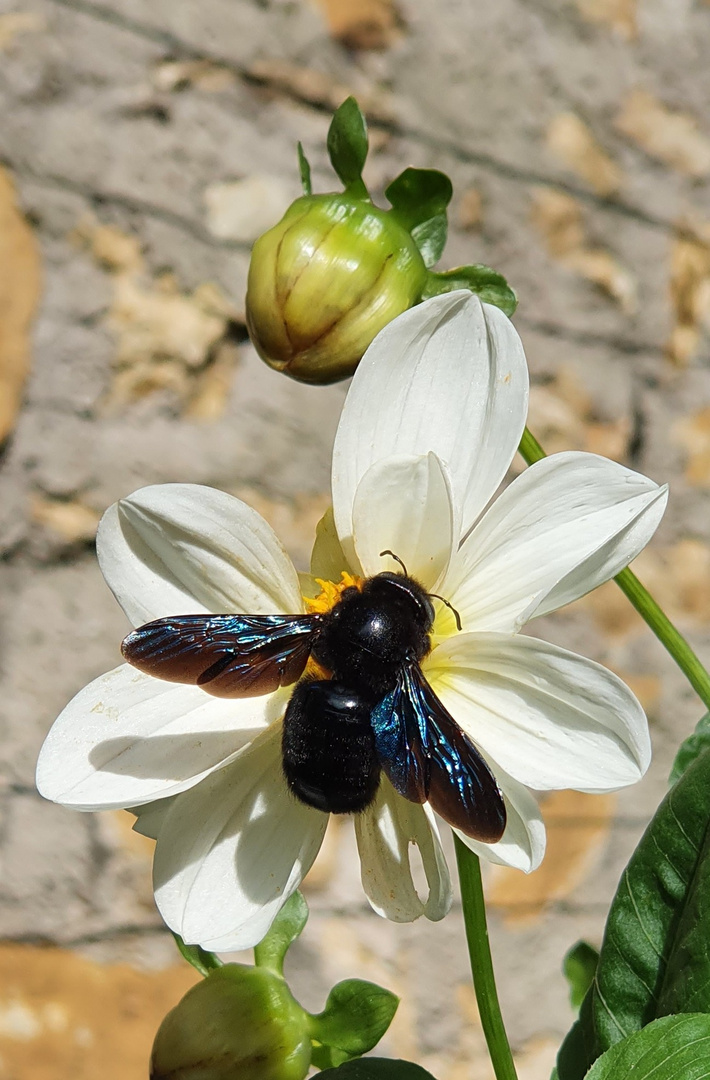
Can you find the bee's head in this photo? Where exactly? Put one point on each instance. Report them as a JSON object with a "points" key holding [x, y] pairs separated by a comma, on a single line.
{"points": [[400, 588], [423, 598]]}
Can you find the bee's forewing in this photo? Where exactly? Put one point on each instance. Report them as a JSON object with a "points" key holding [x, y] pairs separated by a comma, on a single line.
{"points": [[428, 757], [227, 655]]}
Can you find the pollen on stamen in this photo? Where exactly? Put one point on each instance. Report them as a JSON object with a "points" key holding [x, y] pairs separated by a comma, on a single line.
{"points": [[331, 592], [327, 598]]}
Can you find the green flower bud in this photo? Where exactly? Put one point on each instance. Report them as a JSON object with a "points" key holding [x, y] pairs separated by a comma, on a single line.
{"points": [[239, 1023], [325, 281]]}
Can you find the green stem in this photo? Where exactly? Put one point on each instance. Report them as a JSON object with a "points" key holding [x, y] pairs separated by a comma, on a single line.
{"points": [[653, 615], [666, 633], [530, 449], [479, 950]]}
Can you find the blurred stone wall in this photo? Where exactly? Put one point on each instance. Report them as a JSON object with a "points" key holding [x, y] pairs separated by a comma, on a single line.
{"points": [[143, 146]]}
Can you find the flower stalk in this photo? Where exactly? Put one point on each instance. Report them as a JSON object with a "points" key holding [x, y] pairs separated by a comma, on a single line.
{"points": [[479, 951], [649, 610]]}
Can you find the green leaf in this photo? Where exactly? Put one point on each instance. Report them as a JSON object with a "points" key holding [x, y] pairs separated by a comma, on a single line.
{"points": [[579, 1048], [655, 957], [673, 1048], [482, 280], [356, 1016], [347, 146], [686, 982], [579, 966], [286, 927], [419, 199], [305, 170], [377, 1069], [201, 960], [691, 748]]}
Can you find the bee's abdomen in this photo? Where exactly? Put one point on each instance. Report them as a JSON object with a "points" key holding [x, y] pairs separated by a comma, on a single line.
{"points": [[328, 747]]}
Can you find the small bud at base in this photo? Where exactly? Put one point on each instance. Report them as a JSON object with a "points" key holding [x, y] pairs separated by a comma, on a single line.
{"points": [[239, 1021]]}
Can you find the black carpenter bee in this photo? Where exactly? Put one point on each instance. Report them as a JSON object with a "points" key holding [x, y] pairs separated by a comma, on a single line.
{"points": [[375, 712]]}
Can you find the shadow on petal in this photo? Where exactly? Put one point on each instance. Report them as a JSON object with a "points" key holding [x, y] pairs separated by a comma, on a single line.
{"points": [[170, 757], [232, 849]]}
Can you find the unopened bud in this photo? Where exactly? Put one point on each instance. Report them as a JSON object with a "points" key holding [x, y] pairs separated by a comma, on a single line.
{"points": [[238, 1022], [325, 281]]}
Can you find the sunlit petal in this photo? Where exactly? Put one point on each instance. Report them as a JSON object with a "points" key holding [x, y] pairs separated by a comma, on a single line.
{"points": [[563, 527], [404, 505], [550, 718], [183, 549], [449, 376], [386, 832]]}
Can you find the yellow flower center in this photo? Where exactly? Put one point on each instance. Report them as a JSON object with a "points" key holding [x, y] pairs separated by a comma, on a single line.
{"points": [[331, 592], [327, 598]]}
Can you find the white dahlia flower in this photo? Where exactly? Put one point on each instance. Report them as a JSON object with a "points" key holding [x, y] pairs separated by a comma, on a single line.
{"points": [[430, 426]]}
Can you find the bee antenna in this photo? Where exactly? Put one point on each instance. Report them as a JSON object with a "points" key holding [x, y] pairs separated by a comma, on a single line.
{"points": [[396, 559], [451, 607]]}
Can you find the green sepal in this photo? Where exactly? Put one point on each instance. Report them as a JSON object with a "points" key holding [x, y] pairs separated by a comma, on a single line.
{"points": [[579, 966], [377, 1069], [419, 199], [419, 194], [691, 748], [327, 1057], [201, 960], [347, 146], [655, 957], [286, 927], [304, 169], [430, 238], [356, 1016], [672, 1048], [482, 280]]}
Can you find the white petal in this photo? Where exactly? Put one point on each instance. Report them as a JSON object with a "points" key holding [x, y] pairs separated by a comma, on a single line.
{"points": [[327, 558], [404, 505], [550, 718], [522, 845], [232, 850], [183, 549], [150, 816], [447, 376], [127, 739], [385, 832], [563, 527]]}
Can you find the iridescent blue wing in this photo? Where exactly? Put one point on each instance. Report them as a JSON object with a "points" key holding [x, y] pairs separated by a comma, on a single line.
{"points": [[427, 757], [227, 655], [400, 739]]}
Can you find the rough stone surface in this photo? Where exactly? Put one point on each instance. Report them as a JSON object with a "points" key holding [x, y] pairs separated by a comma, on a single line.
{"points": [[124, 115]]}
